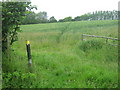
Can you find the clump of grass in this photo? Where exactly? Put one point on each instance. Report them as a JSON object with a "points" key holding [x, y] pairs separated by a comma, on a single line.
{"points": [[18, 80], [91, 44]]}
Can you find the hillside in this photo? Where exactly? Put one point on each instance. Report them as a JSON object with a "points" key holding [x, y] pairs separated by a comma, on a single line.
{"points": [[62, 60]]}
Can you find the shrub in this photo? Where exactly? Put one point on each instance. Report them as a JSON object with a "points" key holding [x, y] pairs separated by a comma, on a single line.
{"points": [[18, 80], [91, 44]]}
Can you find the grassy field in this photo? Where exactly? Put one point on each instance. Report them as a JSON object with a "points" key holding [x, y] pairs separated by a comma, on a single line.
{"points": [[62, 60]]}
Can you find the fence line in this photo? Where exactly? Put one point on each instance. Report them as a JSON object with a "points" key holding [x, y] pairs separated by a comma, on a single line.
{"points": [[114, 44], [101, 37]]}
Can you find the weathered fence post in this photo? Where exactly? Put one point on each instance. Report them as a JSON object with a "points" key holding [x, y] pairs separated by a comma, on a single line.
{"points": [[106, 40], [82, 37], [28, 52]]}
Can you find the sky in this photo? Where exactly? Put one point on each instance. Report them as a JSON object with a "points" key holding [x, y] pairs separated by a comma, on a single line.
{"points": [[64, 8]]}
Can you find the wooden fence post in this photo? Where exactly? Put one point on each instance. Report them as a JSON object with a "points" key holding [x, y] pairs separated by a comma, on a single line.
{"points": [[28, 52], [106, 40], [82, 37]]}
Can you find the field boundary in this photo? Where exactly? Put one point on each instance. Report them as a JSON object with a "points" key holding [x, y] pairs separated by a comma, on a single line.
{"points": [[83, 35]]}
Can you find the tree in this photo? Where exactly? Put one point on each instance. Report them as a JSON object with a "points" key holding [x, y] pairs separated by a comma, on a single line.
{"points": [[61, 20], [12, 15], [41, 17], [67, 19], [52, 19], [30, 18], [78, 18]]}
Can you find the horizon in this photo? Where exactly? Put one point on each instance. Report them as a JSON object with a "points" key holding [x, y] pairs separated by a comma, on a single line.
{"points": [[61, 8]]}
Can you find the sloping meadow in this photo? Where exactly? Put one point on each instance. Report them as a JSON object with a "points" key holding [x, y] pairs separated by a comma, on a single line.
{"points": [[62, 60]]}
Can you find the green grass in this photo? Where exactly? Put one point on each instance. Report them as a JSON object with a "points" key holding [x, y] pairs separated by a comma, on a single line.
{"points": [[62, 60]]}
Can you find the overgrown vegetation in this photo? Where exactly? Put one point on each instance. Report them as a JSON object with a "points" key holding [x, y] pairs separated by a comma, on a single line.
{"points": [[18, 80], [12, 16], [69, 63], [91, 44]]}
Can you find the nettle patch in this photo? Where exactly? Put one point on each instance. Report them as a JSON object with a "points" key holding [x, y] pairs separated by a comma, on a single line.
{"points": [[18, 80], [91, 44]]}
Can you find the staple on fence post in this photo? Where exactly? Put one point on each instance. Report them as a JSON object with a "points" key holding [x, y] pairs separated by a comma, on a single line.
{"points": [[28, 52]]}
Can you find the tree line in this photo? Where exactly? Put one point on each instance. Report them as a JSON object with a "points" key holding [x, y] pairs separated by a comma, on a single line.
{"points": [[35, 18], [98, 15], [41, 17]]}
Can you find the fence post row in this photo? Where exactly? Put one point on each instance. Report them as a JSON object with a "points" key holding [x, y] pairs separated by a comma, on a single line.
{"points": [[28, 52]]}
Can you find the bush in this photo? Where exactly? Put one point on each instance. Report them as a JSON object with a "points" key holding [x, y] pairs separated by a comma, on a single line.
{"points": [[18, 80], [91, 44]]}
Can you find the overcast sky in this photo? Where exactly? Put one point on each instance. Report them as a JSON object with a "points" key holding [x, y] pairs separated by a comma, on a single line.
{"points": [[63, 8]]}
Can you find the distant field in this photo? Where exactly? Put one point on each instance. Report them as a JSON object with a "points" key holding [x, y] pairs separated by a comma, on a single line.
{"points": [[62, 60]]}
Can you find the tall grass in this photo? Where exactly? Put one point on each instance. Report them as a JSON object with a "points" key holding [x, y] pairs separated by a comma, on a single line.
{"points": [[62, 60]]}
